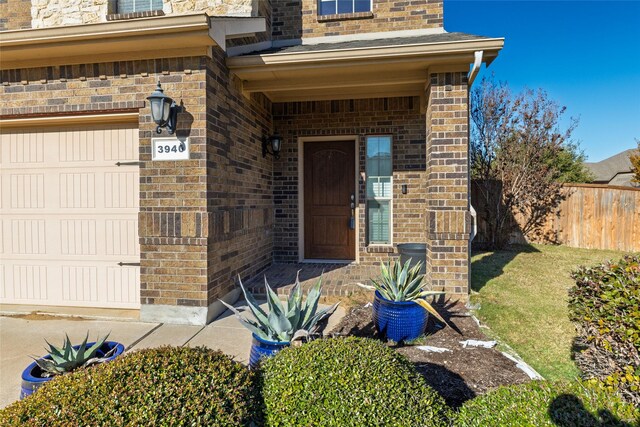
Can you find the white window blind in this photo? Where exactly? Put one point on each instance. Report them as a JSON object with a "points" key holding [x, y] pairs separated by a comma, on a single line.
{"points": [[379, 170], [130, 6]]}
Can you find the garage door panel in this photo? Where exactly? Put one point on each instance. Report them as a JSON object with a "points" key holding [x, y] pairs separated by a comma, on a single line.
{"points": [[3, 283], [28, 236], [77, 145], [27, 282], [25, 148], [121, 189], [27, 190], [80, 284], [126, 147], [78, 237], [120, 237], [77, 190], [69, 216], [71, 237], [123, 284]]}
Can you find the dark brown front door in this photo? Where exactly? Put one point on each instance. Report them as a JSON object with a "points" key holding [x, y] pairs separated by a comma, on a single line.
{"points": [[329, 183]]}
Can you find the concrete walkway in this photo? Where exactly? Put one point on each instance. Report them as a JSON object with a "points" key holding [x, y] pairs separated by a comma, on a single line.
{"points": [[23, 336]]}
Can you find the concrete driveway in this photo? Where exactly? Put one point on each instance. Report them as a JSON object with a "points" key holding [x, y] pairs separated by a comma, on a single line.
{"points": [[23, 336]]}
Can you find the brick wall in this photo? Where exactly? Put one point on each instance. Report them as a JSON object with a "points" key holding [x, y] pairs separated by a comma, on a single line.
{"points": [[203, 220], [294, 19], [15, 14], [448, 219], [399, 117], [172, 221], [239, 179]]}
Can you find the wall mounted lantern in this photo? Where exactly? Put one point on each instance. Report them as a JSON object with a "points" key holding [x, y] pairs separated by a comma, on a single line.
{"points": [[272, 145], [164, 110]]}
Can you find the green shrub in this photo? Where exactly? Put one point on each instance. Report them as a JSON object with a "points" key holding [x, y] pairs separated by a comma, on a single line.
{"points": [[605, 306], [541, 403], [347, 382], [164, 386]]}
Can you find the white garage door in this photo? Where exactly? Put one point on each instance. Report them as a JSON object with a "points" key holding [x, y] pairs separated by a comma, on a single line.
{"points": [[69, 216]]}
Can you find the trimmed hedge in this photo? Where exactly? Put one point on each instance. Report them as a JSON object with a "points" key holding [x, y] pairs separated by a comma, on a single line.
{"points": [[605, 306], [347, 382], [162, 386], [540, 403]]}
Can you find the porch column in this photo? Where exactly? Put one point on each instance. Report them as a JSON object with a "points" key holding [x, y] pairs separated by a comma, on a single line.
{"points": [[173, 221], [448, 218]]}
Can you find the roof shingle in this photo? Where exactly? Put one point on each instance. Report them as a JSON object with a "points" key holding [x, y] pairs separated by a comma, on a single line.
{"points": [[381, 42]]}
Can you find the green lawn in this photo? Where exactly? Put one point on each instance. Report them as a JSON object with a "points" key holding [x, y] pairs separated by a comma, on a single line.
{"points": [[523, 299]]}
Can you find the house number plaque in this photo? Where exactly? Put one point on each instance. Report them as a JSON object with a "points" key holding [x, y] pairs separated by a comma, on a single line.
{"points": [[169, 149]]}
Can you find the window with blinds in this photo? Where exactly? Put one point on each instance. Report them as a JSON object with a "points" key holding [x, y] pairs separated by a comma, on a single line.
{"points": [[379, 189], [332, 7], [130, 6]]}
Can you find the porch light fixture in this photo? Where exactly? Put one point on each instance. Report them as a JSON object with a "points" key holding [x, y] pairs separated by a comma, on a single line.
{"points": [[272, 145], [164, 110]]}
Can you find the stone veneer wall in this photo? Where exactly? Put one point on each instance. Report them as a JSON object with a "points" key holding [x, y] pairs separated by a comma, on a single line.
{"points": [[15, 14], [202, 221], [399, 117], [448, 218], [54, 13], [295, 19]]}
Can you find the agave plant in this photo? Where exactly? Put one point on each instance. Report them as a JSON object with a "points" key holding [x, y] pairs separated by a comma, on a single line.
{"points": [[402, 283], [66, 358], [298, 319]]}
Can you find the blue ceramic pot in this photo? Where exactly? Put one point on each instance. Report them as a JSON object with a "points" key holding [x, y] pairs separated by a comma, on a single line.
{"points": [[264, 348], [32, 379], [398, 320]]}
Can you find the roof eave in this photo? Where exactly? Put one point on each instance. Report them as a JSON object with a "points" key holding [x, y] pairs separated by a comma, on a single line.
{"points": [[491, 47], [145, 38], [380, 71]]}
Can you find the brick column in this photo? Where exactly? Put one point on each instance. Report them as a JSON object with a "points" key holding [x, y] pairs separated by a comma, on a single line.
{"points": [[448, 218], [173, 221]]}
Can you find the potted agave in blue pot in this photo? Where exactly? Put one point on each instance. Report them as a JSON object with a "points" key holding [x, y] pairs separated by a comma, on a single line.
{"points": [[281, 324], [400, 310], [65, 359]]}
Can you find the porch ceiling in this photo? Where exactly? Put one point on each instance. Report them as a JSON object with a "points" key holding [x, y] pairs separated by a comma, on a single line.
{"points": [[357, 70]]}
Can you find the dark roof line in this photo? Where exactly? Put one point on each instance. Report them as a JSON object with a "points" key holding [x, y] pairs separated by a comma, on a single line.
{"points": [[381, 42], [607, 169]]}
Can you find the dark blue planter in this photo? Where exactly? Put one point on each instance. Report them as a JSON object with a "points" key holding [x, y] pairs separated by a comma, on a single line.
{"points": [[263, 348], [398, 320], [31, 377]]}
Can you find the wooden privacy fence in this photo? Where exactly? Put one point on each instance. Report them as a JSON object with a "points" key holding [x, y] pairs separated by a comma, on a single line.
{"points": [[591, 216]]}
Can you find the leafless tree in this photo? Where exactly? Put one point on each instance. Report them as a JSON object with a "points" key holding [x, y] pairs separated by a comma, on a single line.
{"points": [[515, 143], [635, 164]]}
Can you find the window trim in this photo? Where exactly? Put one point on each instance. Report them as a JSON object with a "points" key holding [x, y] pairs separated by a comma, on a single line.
{"points": [[353, 7], [367, 198]]}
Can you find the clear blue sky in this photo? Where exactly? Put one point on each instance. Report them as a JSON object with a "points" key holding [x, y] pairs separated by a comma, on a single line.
{"points": [[585, 54]]}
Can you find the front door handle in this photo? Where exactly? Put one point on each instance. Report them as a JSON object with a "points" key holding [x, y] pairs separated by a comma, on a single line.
{"points": [[129, 264], [352, 220]]}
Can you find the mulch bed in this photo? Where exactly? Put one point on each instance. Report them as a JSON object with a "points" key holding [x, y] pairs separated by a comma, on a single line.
{"points": [[458, 375]]}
